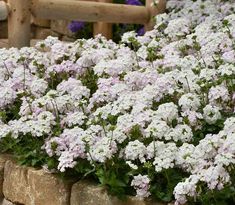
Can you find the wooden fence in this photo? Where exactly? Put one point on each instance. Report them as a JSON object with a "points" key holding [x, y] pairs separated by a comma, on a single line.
{"points": [[19, 14]]}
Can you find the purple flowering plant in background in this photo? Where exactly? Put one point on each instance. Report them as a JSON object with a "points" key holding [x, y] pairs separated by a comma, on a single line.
{"points": [[134, 2], [141, 31], [76, 26]]}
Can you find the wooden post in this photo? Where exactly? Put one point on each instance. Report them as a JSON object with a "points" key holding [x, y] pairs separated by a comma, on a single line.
{"points": [[19, 23], [103, 28], [153, 11]]}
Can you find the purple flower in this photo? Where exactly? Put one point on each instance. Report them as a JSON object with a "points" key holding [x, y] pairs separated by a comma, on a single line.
{"points": [[141, 31], [75, 26], [134, 2]]}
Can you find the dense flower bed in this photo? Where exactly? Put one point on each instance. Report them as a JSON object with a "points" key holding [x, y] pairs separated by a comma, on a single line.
{"points": [[153, 115]]}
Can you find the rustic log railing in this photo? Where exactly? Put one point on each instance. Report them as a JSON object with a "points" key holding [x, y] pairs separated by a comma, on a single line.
{"points": [[19, 13]]}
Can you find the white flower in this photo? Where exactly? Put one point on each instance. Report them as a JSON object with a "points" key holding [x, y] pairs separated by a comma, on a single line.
{"points": [[135, 150], [103, 149], [227, 69], [167, 112], [217, 93], [178, 27], [131, 165], [38, 87], [163, 153], [215, 177], [7, 96], [181, 133], [141, 183], [229, 126], [4, 130], [229, 56], [157, 129], [211, 114], [189, 101], [186, 188], [75, 118], [128, 36]]}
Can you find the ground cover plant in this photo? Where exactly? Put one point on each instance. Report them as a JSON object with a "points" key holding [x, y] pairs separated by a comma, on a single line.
{"points": [[152, 116]]}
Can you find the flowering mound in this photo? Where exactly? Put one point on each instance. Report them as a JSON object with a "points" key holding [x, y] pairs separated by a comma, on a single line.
{"points": [[153, 115]]}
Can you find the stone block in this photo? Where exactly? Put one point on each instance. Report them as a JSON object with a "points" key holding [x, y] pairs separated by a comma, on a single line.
{"points": [[87, 193], [61, 27], [29, 186], [42, 33], [3, 159], [67, 39], [47, 189], [15, 184], [6, 202]]}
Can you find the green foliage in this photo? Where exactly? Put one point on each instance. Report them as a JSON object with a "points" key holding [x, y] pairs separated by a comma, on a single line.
{"points": [[89, 80], [115, 177], [27, 150], [164, 183], [226, 196]]}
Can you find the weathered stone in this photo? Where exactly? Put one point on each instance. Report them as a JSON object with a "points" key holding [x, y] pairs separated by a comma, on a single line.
{"points": [[34, 187], [68, 39], [3, 159], [33, 42], [4, 43], [130, 201], [87, 193], [42, 33], [47, 189], [61, 26], [29, 186], [136, 201], [15, 185], [2, 162], [6, 202]]}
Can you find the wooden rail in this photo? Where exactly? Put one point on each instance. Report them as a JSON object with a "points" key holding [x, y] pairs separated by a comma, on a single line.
{"points": [[89, 11], [20, 12]]}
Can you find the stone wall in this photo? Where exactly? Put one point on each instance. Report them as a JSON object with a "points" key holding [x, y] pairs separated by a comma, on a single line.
{"points": [[21, 185], [40, 29]]}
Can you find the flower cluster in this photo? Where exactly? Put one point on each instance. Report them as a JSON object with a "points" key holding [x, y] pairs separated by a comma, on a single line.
{"points": [[153, 115]]}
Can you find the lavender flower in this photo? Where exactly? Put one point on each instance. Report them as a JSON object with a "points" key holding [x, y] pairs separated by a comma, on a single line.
{"points": [[141, 31], [134, 2], [75, 26], [141, 185]]}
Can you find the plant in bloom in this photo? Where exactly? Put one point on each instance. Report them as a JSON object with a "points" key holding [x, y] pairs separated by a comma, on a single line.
{"points": [[152, 116], [75, 26], [134, 2]]}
